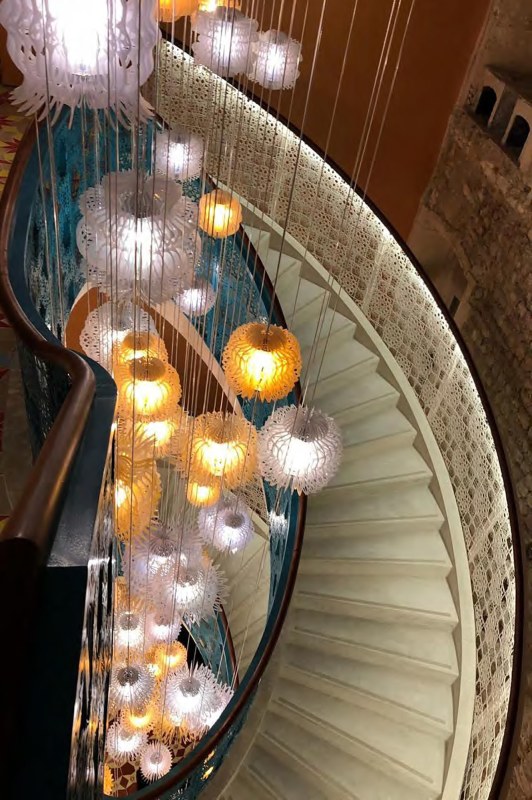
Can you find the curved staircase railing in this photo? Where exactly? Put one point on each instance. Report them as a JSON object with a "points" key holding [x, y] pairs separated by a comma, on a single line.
{"points": [[61, 521], [281, 176]]}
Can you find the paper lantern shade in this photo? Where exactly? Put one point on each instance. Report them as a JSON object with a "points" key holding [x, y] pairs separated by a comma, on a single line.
{"points": [[263, 360], [301, 448], [220, 214]]}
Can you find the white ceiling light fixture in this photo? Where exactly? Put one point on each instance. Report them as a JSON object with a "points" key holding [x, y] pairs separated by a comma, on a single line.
{"points": [[178, 154], [226, 526]]}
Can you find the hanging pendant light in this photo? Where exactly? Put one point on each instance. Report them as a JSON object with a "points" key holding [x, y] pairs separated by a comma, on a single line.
{"points": [[150, 228], [106, 327], [196, 591], [163, 627], [148, 389], [95, 54], [171, 656], [178, 154], [262, 359], [137, 493], [192, 690], [223, 695], [198, 300], [129, 628], [123, 744], [278, 524], [141, 344], [300, 448], [155, 761], [223, 446], [171, 10], [203, 495], [220, 214], [131, 685], [224, 40], [142, 719], [108, 781], [276, 61], [227, 526]]}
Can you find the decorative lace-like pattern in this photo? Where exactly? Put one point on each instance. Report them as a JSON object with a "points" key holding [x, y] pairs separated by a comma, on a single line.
{"points": [[290, 183]]}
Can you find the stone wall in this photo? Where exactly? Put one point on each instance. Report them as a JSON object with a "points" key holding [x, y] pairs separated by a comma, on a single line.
{"points": [[473, 233]]}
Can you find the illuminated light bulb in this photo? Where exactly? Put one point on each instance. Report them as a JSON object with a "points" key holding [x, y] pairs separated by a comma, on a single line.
{"points": [[212, 5], [155, 761], [131, 685], [276, 60], [148, 226], [123, 744], [178, 154], [263, 360], [94, 54], [224, 40], [223, 446], [171, 656], [220, 214], [129, 629], [300, 448], [203, 495], [170, 10], [106, 327], [161, 432], [227, 526], [148, 389], [139, 720], [141, 344], [198, 300]]}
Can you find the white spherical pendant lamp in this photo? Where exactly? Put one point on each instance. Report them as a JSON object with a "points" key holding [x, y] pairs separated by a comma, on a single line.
{"points": [[226, 526], [300, 448]]}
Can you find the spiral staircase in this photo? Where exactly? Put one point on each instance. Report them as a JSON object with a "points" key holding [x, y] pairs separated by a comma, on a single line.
{"points": [[362, 705]]}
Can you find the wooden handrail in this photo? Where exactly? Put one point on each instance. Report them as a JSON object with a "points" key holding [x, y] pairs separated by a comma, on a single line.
{"points": [[33, 517]]}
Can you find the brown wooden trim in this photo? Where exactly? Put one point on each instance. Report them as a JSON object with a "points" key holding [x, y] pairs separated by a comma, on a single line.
{"points": [[33, 517]]}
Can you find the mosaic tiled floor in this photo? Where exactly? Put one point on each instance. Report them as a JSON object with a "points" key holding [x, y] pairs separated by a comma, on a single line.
{"points": [[14, 446]]}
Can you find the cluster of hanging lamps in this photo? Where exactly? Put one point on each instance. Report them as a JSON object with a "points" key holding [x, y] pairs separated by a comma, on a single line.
{"points": [[229, 43], [107, 325]]}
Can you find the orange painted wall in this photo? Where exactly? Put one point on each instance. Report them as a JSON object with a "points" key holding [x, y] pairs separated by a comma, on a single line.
{"points": [[440, 41]]}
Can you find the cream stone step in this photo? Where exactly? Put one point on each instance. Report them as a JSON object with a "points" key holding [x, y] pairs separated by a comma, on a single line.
{"points": [[419, 554], [282, 268], [369, 395], [246, 786], [406, 509], [328, 325], [302, 301], [412, 757], [321, 346], [424, 704], [408, 649], [331, 771], [382, 470], [280, 776], [413, 601], [344, 363], [381, 431]]}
